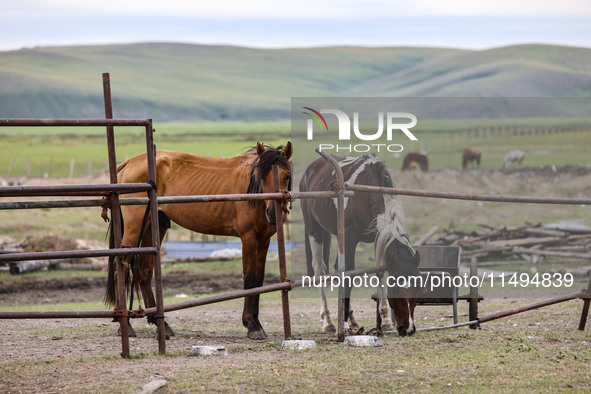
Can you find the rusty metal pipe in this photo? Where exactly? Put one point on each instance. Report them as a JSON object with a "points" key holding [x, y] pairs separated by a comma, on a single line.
{"points": [[153, 196], [115, 215], [535, 305], [281, 253], [68, 254], [339, 189], [58, 315], [221, 297], [36, 204], [73, 190], [73, 122], [463, 196]]}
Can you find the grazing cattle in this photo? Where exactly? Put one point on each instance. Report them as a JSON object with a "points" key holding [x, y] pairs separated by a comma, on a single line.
{"points": [[253, 221], [414, 160], [470, 157], [514, 156], [369, 218]]}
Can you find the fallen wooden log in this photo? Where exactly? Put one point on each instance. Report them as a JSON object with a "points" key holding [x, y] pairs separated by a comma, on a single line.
{"points": [[545, 232], [503, 231], [572, 248], [526, 241], [20, 267], [585, 256], [71, 264]]}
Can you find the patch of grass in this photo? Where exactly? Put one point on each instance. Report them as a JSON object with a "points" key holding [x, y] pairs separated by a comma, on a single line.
{"points": [[51, 274]]}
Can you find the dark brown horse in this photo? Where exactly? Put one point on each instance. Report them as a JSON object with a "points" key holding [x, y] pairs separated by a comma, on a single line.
{"points": [[470, 157], [252, 221], [369, 218], [413, 159]]}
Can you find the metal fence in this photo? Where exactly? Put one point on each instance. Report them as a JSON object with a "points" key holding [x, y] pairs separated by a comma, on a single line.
{"points": [[110, 198]]}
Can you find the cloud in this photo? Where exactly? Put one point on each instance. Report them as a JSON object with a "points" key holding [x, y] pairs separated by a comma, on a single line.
{"points": [[302, 9], [263, 23]]}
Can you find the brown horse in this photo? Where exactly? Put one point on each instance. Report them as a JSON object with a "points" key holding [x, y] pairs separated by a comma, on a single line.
{"points": [[414, 159], [253, 221], [469, 157], [369, 218]]}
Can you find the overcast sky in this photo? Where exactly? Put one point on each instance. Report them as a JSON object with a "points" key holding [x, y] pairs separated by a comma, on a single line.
{"points": [[473, 24]]}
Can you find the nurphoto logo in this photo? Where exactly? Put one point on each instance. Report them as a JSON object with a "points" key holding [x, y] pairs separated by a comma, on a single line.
{"points": [[395, 121]]}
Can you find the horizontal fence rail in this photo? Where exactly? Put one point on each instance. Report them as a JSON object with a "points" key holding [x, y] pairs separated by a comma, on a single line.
{"points": [[68, 254], [73, 190], [58, 315], [473, 197], [164, 200], [74, 122]]}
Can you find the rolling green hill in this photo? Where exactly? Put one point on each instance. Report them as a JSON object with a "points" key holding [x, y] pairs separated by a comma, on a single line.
{"points": [[173, 82]]}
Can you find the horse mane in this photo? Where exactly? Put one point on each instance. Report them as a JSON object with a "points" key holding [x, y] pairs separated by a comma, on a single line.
{"points": [[261, 166], [391, 225]]}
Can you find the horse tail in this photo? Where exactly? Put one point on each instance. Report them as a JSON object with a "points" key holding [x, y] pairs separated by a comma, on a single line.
{"points": [[110, 292]]}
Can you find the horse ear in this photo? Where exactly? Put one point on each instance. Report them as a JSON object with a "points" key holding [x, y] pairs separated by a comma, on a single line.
{"points": [[287, 150], [260, 148]]}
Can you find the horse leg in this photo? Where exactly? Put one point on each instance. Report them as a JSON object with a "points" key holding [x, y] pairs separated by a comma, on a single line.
{"points": [[384, 307], [145, 270], [250, 247], [132, 219], [316, 246], [260, 279], [126, 262], [350, 265]]}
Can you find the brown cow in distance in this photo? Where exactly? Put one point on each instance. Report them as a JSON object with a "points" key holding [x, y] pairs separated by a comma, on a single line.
{"points": [[414, 160], [469, 157]]}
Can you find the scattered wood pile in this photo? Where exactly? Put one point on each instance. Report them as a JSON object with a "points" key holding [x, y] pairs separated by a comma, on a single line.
{"points": [[46, 244], [566, 240]]}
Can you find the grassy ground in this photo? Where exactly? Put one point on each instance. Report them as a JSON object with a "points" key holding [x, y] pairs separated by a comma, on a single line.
{"points": [[536, 351]]}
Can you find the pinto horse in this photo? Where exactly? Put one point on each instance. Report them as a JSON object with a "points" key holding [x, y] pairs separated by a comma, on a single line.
{"points": [[369, 217], [252, 221]]}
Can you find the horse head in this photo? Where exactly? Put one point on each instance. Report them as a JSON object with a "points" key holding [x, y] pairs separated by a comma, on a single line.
{"points": [[262, 175], [402, 262]]}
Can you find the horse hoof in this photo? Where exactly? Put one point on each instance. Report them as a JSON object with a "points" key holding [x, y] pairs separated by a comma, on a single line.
{"points": [[356, 330], [257, 335], [388, 329], [130, 332], [330, 329], [168, 331]]}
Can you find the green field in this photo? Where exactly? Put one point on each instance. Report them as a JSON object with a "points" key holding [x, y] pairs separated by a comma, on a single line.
{"points": [[50, 150]]}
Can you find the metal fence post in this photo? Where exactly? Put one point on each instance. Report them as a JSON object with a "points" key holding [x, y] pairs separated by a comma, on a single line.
{"points": [[281, 252], [116, 219]]}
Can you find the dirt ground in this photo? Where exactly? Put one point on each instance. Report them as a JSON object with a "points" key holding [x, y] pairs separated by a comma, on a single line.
{"points": [[71, 355], [51, 341]]}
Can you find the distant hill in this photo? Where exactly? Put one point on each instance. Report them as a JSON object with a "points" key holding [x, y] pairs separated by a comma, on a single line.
{"points": [[189, 82]]}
